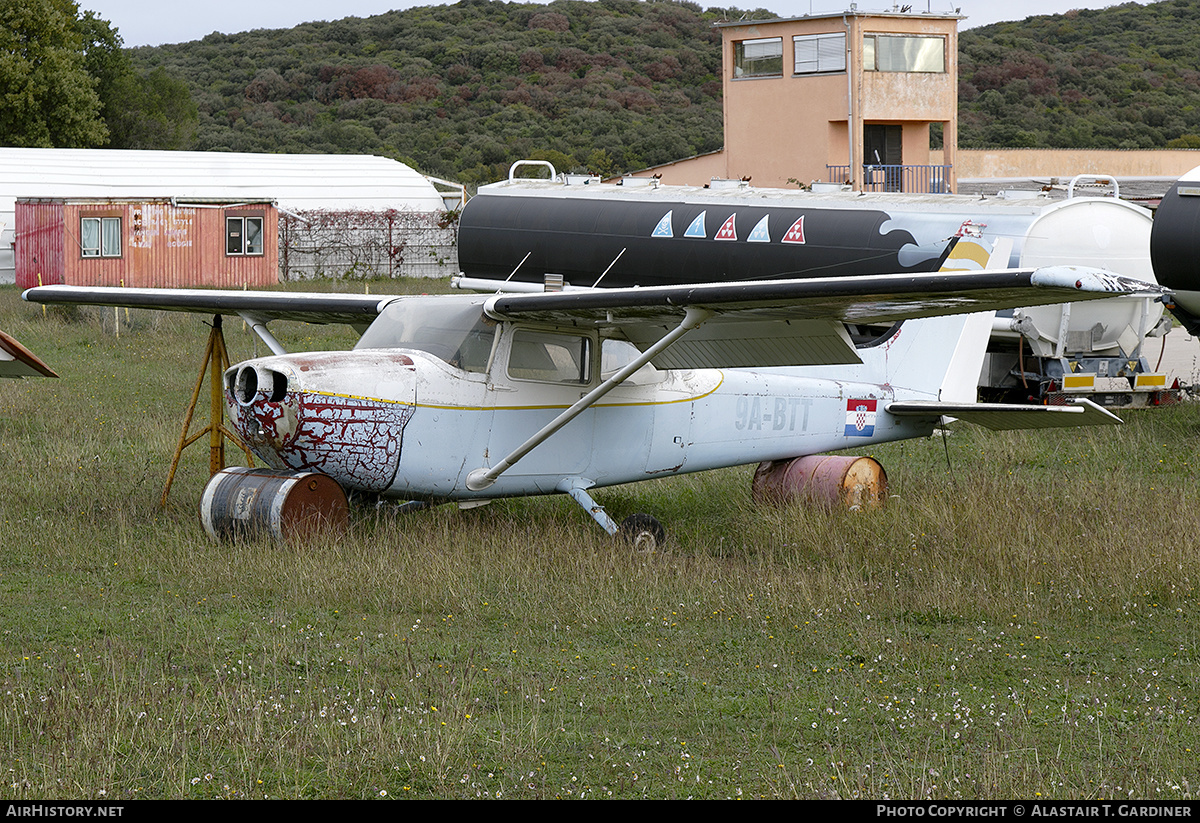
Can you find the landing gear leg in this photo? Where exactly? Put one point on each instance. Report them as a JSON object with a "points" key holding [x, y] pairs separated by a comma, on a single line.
{"points": [[594, 509], [641, 531]]}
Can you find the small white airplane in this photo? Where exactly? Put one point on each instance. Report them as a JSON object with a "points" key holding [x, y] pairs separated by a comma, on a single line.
{"points": [[16, 361], [470, 397]]}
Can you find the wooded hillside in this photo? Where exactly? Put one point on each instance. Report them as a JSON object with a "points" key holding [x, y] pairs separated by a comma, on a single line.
{"points": [[461, 91], [617, 85], [1125, 77]]}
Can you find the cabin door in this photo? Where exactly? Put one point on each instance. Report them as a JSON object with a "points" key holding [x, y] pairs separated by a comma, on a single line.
{"points": [[539, 374]]}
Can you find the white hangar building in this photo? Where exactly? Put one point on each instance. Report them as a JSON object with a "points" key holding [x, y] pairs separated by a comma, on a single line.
{"points": [[295, 182]]}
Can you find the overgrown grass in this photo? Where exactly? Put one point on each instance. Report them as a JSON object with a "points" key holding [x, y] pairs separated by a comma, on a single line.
{"points": [[1020, 620]]}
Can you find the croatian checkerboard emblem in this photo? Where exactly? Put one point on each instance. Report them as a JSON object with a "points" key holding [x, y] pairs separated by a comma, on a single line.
{"points": [[860, 417]]}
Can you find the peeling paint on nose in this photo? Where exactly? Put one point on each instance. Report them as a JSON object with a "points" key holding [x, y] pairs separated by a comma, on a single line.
{"points": [[339, 413], [355, 440]]}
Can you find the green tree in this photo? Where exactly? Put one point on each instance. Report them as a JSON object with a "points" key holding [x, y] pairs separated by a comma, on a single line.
{"points": [[1185, 141], [463, 90], [103, 59], [151, 111], [47, 97], [155, 111]]}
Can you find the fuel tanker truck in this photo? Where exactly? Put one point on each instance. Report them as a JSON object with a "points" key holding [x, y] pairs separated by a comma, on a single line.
{"points": [[1175, 248], [579, 231]]}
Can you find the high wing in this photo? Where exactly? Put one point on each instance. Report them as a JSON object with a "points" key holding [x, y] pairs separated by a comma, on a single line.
{"points": [[256, 307], [801, 322], [307, 307], [766, 323], [18, 361]]}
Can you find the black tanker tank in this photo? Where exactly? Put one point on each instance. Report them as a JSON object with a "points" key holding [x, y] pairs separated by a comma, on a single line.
{"points": [[1175, 247], [638, 233]]}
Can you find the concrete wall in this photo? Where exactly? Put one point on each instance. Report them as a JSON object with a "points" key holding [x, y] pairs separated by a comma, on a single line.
{"points": [[691, 171], [975, 164], [989, 164]]}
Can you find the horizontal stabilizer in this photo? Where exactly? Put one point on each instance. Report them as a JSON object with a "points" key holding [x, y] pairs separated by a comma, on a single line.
{"points": [[1005, 416]]}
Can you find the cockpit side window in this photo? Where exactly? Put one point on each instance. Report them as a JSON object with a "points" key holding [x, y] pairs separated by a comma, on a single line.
{"points": [[550, 357], [475, 349], [616, 354]]}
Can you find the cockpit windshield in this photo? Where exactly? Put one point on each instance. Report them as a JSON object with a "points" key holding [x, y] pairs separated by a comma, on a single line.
{"points": [[452, 329]]}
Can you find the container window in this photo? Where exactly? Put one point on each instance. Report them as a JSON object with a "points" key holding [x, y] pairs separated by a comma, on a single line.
{"points": [[243, 235], [100, 236]]}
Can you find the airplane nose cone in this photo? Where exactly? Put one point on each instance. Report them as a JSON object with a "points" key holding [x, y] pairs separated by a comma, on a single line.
{"points": [[1175, 242]]}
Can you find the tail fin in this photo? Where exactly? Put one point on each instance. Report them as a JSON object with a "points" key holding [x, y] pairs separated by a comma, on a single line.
{"points": [[939, 357]]}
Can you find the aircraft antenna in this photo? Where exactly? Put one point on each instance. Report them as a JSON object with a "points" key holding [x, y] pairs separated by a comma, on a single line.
{"points": [[610, 265], [522, 263]]}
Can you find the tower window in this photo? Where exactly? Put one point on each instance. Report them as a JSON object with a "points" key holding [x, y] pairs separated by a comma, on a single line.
{"points": [[819, 53], [758, 58], [895, 52]]}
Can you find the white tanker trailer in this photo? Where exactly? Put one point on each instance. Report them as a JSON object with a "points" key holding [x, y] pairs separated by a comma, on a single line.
{"points": [[638, 232]]}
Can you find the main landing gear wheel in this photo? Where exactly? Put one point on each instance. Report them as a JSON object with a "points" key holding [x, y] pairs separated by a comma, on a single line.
{"points": [[642, 532]]}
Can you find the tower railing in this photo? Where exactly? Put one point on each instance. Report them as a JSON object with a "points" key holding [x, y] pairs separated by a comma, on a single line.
{"points": [[905, 178]]}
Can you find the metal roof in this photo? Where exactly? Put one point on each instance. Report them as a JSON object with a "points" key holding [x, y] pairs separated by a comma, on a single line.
{"points": [[294, 181], [851, 12]]}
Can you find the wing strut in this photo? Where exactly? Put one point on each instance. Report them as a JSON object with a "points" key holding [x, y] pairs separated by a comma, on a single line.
{"points": [[260, 328], [481, 478]]}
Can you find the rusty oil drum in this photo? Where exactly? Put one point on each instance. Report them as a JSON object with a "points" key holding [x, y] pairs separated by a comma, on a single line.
{"points": [[829, 480], [283, 505]]}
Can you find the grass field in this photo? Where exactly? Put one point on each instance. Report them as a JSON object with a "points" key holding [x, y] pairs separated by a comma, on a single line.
{"points": [[1020, 621]]}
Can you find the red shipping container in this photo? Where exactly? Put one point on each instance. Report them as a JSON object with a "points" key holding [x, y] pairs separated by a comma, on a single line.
{"points": [[157, 243]]}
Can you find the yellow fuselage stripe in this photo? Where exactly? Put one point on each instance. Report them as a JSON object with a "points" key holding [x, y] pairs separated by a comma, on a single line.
{"points": [[454, 407]]}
